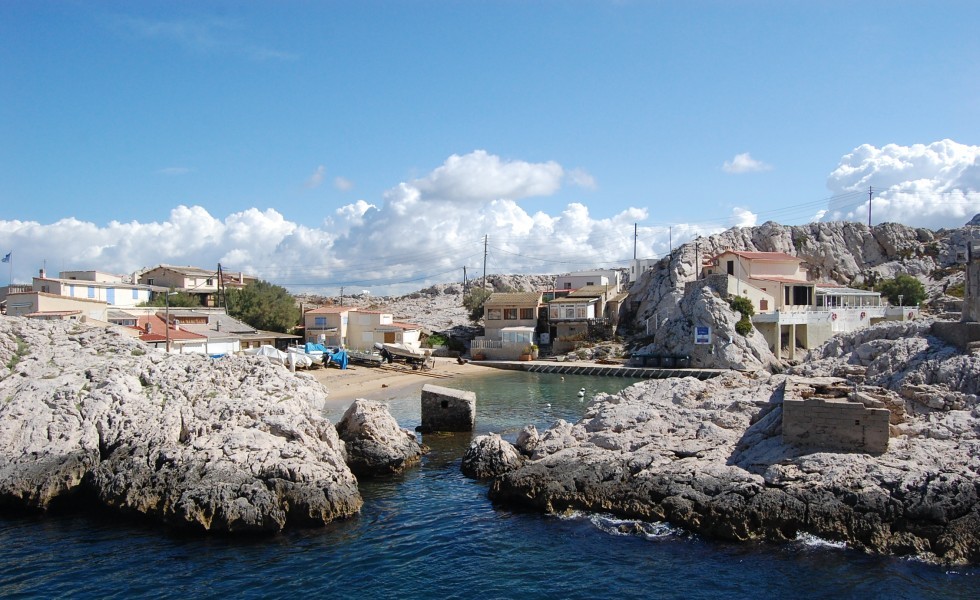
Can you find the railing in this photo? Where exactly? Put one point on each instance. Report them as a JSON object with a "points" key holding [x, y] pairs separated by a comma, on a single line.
{"points": [[485, 344]]}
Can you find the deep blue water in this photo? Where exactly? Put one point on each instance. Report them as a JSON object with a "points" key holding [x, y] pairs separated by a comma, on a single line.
{"points": [[433, 534]]}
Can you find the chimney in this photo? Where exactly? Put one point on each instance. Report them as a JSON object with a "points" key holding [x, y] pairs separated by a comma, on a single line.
{"points": [[42, 273], [149, 327]]}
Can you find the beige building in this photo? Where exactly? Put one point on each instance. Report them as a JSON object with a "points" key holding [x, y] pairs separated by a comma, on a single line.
{"points": [[791, 311], [510, 325], [192, 280], [42, 305], [357, 329]]}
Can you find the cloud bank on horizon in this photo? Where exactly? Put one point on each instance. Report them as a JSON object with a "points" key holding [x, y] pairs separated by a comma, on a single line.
{"points": [[428, 229]]}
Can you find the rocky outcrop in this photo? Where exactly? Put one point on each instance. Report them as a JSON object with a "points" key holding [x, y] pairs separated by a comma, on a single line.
{"points": [[376, 445], [674, 335], [489, 456], [236, 445], [709, 456]]}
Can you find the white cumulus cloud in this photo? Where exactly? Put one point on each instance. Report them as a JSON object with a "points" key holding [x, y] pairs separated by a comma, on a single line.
{"points": [[744, 163], [423, 231], [935, 185]]}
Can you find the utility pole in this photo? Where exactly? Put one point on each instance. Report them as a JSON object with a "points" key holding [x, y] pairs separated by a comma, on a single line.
{"points": [[697, 259], [485, 239], [634, 241], [870, 192], [670, 238], [221, 280], [464, 280], [341, 295]]}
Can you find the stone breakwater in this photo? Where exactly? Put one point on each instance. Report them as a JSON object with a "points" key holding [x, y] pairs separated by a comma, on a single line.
{"points": [[88, 415], [709, 455]]}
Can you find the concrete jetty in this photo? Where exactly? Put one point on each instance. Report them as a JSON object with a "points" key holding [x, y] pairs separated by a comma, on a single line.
{"points": [[584, 368]]}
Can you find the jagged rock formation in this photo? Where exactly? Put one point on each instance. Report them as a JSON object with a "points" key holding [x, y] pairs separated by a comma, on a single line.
{"points": [[709, 456], [376, 445], [489, 456], [840, 252], [237, 445]]}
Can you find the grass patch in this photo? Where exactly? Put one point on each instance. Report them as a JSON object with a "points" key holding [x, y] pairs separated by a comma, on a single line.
{"points": [[22, 349]]}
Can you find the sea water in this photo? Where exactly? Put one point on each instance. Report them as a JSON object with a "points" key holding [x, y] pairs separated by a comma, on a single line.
{"points": [[432, 533]]}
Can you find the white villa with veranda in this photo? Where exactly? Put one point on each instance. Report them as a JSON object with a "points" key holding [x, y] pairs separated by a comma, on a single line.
{"points": [[791, 311]]}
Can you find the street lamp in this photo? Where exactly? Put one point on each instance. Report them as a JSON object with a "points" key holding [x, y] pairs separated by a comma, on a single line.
{"points": [[166, 326]]}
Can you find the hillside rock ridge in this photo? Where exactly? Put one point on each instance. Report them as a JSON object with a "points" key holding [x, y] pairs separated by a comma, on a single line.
{"points": [[234, 445], [839, 252]]}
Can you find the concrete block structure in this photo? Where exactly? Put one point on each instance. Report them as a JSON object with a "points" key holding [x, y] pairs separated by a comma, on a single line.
{"points": [[833, 422], [447, 409]]}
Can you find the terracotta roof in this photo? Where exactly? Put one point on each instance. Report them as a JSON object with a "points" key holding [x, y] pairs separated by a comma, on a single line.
{"points": [[513, 298], [328, 310], [158, 332], [780, 256], [782, 280]]}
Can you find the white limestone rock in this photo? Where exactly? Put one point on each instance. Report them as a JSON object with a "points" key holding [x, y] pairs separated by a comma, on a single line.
{"points": [[229, 445], [489, 456], [376, 445], [709, 456]]}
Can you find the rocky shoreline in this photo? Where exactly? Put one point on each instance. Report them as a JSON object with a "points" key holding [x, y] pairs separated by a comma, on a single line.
{"points": [[709, 456], [89, 416]]}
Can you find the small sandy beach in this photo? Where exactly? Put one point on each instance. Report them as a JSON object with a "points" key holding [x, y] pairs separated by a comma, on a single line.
{"points": [[381, 383]]}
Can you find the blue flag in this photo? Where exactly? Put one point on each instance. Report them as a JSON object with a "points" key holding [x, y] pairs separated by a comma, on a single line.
{"points": [[7, 258]]}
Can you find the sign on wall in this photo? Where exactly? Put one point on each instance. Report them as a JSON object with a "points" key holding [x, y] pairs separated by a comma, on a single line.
{"points": [[702, 334]]}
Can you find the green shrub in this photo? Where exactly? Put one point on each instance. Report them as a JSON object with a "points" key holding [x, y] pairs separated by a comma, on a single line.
{"points": [[742, 305]]}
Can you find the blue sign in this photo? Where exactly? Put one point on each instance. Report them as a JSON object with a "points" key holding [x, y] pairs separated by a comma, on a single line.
{"points": [[702, 334]]}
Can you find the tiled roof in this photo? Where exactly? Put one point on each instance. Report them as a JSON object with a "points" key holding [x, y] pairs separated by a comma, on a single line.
{"points": [[513, 298], [780, 256], [571, 300], [782, 279], [590, 291], [328, 310]]}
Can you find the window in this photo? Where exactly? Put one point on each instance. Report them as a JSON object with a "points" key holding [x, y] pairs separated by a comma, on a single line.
{"points": [[763, 304], [320, 322], [510, 314], [568, 285], [149, 281], [91, 292], [493, 314], [527, 313], [731, 267], [136, 294], [554, 312], [569, 312], [209, 282]]}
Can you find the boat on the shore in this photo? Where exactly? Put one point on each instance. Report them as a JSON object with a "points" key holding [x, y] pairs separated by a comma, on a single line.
{"points": [[366, 357], [416, 356]]}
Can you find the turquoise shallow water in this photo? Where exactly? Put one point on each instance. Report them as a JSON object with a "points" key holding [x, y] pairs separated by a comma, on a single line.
{"points": [[433, 534]]}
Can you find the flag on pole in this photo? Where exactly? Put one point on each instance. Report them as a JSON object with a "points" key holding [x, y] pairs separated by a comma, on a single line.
{"points": [[7, 258]]}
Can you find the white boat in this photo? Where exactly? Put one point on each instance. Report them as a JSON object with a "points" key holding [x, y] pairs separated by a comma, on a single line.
{"points": [[273, 354], [413, 355]]}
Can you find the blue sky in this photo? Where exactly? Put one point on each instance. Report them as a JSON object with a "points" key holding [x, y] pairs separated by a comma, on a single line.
{"points": [[374, 144]]}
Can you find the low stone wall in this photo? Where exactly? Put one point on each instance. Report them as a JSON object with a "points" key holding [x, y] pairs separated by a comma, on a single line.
{"points": [[957, 333], [837, 424]]}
